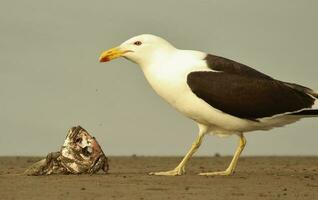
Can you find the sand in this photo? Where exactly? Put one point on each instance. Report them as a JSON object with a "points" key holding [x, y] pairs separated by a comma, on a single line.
{"points": [[255, 178]]}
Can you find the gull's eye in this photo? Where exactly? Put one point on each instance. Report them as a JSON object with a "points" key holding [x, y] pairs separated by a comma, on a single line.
{"points": [[138, 43]]}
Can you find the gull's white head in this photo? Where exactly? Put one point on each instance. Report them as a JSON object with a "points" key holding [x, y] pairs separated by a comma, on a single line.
{"points": [[141, 49]]}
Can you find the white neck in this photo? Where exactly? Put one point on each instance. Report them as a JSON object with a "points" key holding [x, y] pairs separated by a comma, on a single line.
{"points": [[159, 57]]}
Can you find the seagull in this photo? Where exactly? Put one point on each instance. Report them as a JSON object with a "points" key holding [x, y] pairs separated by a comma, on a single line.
{"points": [[222, 96]]}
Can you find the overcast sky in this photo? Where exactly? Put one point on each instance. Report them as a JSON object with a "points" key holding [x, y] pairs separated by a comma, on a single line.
{"points": [[50, 78]]}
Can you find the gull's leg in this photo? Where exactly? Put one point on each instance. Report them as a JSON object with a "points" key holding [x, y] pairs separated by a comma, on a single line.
{"points": [[232, 166], [180, 169]]}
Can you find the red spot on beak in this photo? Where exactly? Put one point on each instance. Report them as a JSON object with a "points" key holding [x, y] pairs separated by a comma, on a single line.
{"points": [[104, 59]]}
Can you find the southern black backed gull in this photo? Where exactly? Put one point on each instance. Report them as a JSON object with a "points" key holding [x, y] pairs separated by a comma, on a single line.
{"points": [[222, 96]]}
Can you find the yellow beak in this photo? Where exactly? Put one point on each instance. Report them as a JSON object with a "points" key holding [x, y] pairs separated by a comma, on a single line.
{"points": [[111, 54]]}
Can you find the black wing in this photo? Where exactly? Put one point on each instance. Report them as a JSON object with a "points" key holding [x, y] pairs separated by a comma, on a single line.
{"points": [[241, 91], [218, 63]]}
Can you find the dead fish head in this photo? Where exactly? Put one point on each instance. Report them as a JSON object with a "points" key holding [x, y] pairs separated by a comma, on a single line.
{"points": [[79, 142], [81, 151], [79, 154]]}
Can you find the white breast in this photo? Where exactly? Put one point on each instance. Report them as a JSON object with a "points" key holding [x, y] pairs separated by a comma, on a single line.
{"points": [[169, 78]]}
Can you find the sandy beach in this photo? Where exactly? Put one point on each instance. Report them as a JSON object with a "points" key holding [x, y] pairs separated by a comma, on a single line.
{"points": [[255, 178]]}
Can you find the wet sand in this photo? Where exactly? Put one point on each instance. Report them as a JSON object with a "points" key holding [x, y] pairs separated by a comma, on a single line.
{"points": [[255, 178]]}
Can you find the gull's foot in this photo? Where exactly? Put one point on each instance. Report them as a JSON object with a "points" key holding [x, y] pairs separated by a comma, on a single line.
{"points": [[222, 173], [175, 172]]}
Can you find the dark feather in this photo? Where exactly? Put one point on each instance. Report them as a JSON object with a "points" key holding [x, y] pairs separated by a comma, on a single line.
{"points": [[302, 89], [244, 92], [218, 63]]}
